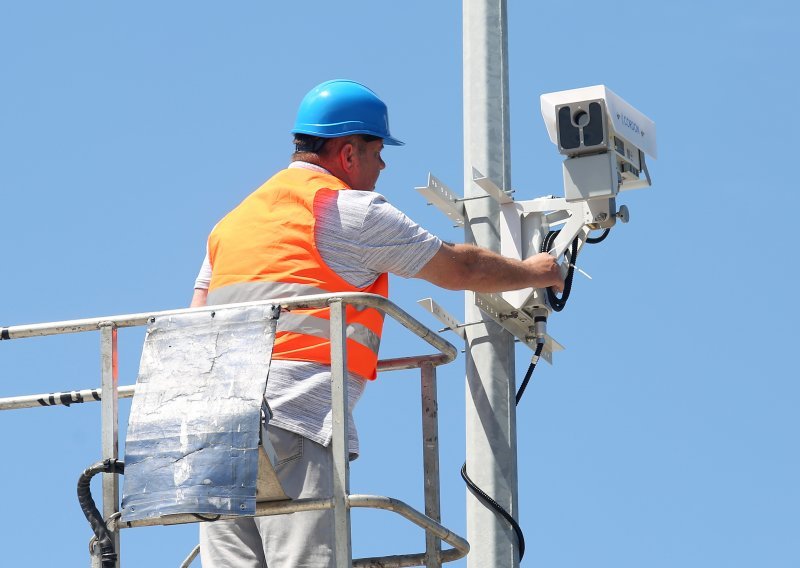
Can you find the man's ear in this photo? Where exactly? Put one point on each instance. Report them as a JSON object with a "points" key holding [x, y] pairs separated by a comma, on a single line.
{"points": [[347, 156]]}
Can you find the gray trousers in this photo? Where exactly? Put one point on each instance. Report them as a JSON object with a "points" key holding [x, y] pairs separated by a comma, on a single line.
{"points": [[297, 540]]}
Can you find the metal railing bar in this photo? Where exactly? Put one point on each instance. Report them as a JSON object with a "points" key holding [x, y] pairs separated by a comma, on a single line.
{"points": [[340, 473], [264, 509], [413, 362], [430, 460], [296, 505], [109, 422], [300, 302], [189, 559], [459, 550], [404, 510], [403, 560], [68, 398]]}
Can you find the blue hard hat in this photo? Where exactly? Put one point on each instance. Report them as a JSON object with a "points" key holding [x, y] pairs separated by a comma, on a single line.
{"points": [[340, 108]]}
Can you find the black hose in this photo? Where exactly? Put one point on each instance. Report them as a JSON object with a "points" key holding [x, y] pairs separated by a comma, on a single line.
{"points": [[480, 493], [557, 304], [492, 504], [108, 554], [531, 367]]}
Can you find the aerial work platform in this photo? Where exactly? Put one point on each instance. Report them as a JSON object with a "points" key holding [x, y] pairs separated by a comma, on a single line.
{"points": [[254, 322]]}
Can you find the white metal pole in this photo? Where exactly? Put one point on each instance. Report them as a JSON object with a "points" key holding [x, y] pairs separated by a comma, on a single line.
{"points": [[491, 417]]}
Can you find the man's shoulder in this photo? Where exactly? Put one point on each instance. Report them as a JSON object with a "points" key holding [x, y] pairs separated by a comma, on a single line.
{"points": [[360, 196], [357, 206]]}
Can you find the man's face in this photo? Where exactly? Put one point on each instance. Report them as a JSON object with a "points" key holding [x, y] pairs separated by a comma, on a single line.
{"points": [[367, 164]]}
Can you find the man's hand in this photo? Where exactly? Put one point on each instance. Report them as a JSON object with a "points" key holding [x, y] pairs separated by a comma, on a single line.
{"points": [[547, 272]]}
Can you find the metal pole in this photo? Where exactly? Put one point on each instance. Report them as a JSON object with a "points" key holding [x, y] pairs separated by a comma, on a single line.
{"points": [[109, 420], [189, 559], [491, 417], [430, 459], [341, 457]]}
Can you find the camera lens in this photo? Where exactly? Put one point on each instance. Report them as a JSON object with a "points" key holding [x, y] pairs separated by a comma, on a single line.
{"points": [[581, 118]]}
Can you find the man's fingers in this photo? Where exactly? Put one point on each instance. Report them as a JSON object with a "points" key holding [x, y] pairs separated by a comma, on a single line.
{"points": [[558, 277]]}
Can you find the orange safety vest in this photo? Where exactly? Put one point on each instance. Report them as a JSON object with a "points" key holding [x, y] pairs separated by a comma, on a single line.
{"points": [[265, 248]]}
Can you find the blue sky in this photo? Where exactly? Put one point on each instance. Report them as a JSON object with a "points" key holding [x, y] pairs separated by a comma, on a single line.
{"points": [[665, 435]]}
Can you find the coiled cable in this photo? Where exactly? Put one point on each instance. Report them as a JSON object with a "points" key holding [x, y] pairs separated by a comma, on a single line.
{"points": [[570, 257]]}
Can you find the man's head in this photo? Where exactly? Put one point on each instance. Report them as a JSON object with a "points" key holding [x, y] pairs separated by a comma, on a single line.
{"points": [[354, 159], [342, 126]]}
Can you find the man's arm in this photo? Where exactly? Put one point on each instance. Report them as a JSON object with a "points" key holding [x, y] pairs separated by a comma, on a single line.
{"points": [[201, 284], [468, 267], [199, 298]]}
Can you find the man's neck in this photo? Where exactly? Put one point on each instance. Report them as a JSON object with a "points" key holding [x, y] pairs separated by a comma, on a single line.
{"points": [[309, 166], [327, 168]]}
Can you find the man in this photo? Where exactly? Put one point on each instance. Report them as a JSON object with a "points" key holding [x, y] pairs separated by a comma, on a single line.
{"points": [[318, 227]]}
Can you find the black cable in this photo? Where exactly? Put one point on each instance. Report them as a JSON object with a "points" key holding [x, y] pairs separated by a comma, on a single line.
{"points": [[480, 493], [492, 504], [571, 256], [529, 373], [108, 555], [204, 518], [600, 239]]}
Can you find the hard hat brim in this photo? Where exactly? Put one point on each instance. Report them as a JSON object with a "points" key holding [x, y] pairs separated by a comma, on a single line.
{"points": [[387, 140]]}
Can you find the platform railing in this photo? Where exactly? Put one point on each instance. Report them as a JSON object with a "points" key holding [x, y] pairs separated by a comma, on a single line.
{"points": [[341, 501]]}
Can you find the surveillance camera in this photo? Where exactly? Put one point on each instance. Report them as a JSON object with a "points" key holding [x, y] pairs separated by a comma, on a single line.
{"points": [[604, 138]]}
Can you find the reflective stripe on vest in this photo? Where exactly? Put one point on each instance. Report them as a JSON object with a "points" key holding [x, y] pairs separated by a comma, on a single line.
{"points": [[294, 321], [251, 291], [310, 325]]}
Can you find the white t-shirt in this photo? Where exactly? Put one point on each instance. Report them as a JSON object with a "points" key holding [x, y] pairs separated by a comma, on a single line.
{"points": [[359, 235]]}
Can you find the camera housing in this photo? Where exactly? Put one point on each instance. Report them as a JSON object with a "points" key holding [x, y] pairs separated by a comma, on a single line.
{"points": [[604, 138]]}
